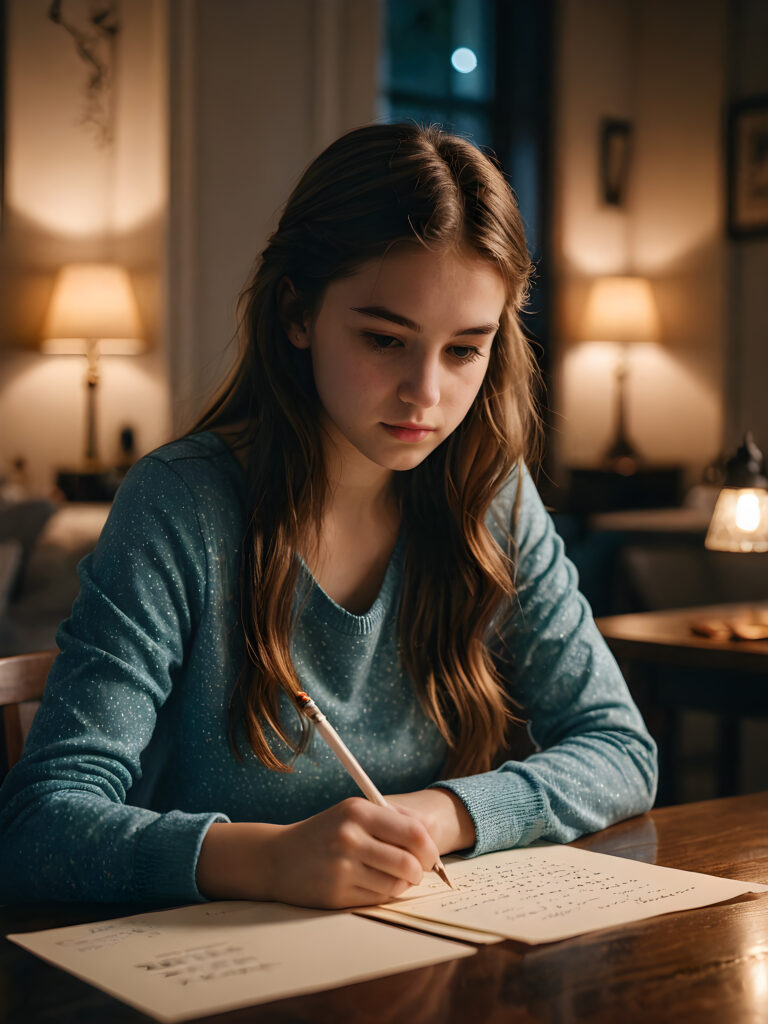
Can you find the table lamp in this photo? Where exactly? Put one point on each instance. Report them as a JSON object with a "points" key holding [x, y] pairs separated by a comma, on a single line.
{"points": [[621, 310], [92, 313], [740, 518]]}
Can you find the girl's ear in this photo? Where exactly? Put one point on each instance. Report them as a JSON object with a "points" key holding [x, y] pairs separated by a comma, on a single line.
{"points": [[292, 314]]}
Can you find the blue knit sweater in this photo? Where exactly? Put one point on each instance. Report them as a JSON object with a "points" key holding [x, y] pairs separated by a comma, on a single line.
{"points": [[127, 763]]}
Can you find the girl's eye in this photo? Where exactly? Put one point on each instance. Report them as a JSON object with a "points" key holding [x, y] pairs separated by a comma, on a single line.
{"points": [[381, 342], [465, 353], [385, 342]]}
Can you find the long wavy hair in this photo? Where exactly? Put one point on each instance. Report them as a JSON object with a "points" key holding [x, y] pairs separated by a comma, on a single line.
{"points": [[373, 188]]}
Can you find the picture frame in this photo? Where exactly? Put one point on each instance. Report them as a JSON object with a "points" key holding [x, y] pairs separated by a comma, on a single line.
{"points": [[748, 168], [615, 156]]}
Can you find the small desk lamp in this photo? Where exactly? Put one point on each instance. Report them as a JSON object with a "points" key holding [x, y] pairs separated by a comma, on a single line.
{"points": [[623, 310], [92, 313], [739, 524], [740, 519]]}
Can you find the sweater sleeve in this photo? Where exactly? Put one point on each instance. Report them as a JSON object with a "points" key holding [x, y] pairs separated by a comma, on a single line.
{"points": [[595, 762], [66, 831]]}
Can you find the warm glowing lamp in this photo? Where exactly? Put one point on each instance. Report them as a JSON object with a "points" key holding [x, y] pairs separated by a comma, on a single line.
{"points": [[740, 519], [92, 313], [621, 310]]}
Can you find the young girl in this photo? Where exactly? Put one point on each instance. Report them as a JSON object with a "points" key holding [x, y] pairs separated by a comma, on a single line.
{"points": [[352, 517]]}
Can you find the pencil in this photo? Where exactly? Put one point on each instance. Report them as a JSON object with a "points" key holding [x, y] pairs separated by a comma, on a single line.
{"points": [[352, 765]]}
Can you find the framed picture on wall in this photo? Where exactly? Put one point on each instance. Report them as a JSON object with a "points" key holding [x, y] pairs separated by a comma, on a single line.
{"points": [[748, 168]]}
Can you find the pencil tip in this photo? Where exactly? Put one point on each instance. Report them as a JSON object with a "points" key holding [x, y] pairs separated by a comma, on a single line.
{"points": [[444, 875]]}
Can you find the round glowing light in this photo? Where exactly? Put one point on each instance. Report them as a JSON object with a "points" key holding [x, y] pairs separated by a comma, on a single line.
{"points": [[748, 512], [464, 60]]}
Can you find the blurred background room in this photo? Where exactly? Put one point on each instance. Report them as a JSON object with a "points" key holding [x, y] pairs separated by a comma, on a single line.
{"points": [[145, 149]]}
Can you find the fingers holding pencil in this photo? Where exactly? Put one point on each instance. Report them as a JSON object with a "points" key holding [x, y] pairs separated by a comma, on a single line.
{"points": [[308, 707], [352, 854]]}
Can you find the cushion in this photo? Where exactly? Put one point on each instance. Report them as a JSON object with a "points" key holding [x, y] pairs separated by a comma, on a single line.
{"points": [[10, 564]]}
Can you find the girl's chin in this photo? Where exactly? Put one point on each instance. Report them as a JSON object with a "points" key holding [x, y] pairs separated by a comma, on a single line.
{"points": [[405, 460], [395, 456]]}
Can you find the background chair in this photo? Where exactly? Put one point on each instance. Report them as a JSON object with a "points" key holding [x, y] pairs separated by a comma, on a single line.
{"points": [[22, 681]]}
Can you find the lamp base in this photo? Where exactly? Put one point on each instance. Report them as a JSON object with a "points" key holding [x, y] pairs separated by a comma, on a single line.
{"points": [[621, 456]]}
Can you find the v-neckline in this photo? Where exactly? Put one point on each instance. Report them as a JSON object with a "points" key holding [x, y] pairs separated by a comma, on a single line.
{"points": [[336, 616], [323, 605]]}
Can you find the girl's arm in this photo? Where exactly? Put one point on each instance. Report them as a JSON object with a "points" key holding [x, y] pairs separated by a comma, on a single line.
{"points": [[68, 830], [443, 814], [595, 762], [352, 854]]}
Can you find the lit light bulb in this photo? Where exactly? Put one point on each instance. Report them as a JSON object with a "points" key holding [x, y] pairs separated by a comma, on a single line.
{"points": [[464, 60], [747, 512]]}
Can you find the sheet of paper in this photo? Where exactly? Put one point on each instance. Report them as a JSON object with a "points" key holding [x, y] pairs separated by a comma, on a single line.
{"points": [[448, 931], [211, 957], [544, 893]]}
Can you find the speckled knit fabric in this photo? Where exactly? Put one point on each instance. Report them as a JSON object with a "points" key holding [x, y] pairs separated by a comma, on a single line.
{"points": [[127, 763]]}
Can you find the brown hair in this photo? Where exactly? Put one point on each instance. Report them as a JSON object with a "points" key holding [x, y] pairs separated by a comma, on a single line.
{"points": [[372, 188]]}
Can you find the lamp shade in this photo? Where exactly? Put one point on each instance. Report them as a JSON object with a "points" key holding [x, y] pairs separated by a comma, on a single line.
{"points": [[93, 302], [740, 519], [621, 309]]}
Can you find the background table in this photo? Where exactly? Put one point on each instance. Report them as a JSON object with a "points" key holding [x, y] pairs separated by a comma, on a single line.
{"points": [[669, 668], [708, 965]]}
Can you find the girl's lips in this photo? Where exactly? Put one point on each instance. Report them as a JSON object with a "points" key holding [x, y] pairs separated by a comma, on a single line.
{"points": [[403, 433]]}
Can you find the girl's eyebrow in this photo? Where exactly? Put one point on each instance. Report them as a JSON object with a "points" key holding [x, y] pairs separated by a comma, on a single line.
{"points": [[387, 314]]}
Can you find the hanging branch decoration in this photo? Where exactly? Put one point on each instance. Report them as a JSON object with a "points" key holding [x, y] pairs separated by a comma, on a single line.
{"points": [[96, 44]]}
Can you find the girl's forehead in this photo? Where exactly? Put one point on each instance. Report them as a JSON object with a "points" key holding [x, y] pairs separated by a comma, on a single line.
{"points": [[415, 279]]}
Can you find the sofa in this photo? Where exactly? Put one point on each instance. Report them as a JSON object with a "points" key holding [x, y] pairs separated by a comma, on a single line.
{"points": [[41, 543]]}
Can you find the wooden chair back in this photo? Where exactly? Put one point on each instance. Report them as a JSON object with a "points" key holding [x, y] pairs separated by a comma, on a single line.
{"points": [[22, 681]]}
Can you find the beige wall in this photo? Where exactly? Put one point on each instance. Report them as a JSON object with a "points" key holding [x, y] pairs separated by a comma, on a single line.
{"points": [[242, 94], [220, 106], [747, 334], [661, 65], [70, 198], [257, 89]]}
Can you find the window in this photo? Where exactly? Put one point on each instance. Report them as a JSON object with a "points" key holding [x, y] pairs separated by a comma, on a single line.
{"points": [[481, 68], [421, 80]]}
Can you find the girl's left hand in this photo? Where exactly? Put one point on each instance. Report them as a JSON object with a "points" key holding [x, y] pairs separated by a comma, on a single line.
{"points": [[442, 813]]}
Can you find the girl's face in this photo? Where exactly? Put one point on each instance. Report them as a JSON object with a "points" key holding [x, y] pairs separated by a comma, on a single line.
{"points": [[399, 352]]}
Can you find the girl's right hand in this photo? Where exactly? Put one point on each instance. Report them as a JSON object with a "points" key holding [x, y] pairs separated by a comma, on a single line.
{"points": [[353, 854]]}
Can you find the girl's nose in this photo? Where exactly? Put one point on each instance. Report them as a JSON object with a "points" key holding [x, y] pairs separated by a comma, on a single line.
{"points": [[420, 384]]}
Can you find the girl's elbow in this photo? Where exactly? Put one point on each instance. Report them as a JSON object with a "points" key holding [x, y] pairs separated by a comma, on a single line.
{"points": [[648, 766]]}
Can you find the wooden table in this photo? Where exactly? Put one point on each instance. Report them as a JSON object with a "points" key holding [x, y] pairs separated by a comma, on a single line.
{"points": [[669, 668], [708, 965]]}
